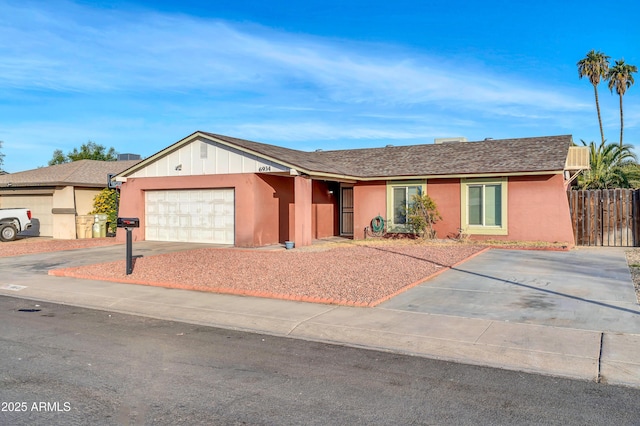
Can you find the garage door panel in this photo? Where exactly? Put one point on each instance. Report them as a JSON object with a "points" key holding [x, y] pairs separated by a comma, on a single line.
{"points": [[183, 234], [40, 206], [152, 234], [152, 208], [172, 221], [190, 215], [184, 221], [152, 220]]}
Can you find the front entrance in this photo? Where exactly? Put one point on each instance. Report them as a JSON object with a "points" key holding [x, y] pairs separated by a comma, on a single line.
{"points": [[346, 211]]}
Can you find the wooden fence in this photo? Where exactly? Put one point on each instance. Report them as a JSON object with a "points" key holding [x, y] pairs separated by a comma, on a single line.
{"points": [[606, 217]]}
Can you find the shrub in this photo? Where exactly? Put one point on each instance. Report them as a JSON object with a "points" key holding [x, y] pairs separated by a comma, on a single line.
{"points": [[421, 215], [107, 202]]}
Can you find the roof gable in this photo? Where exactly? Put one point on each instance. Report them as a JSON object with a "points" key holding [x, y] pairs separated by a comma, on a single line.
{"points": [[275, 158], [203, 154]]}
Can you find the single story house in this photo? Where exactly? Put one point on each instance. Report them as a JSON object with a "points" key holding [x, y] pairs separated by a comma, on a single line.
{"points": [[57, 194], [219, 189]]}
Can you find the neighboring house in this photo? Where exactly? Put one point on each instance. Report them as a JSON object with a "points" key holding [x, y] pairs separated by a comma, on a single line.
{"points": [[219, 189], [57, 194]]}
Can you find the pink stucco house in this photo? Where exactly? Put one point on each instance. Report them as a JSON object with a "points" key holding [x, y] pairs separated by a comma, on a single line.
{"points": [[218, 189]]}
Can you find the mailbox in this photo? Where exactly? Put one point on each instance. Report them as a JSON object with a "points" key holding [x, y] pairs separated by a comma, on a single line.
{"points": [[128, 222]]}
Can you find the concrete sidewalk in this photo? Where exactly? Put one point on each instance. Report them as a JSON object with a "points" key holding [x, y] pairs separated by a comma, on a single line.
{"points": [[609, 357]]}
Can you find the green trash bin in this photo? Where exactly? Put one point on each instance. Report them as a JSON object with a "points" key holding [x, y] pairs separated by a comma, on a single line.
{"points": [[100, 226], [102, 219]]}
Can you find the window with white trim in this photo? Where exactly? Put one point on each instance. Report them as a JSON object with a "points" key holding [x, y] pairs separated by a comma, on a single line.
{"points": [[484, 206]]}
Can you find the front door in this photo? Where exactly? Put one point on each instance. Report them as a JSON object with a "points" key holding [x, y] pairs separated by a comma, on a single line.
{"points": [[346, 211]]}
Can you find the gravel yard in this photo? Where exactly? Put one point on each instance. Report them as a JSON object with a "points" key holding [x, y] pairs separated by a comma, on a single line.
{"points": [[41, 245], [358, 274], [633, 260], [346, 274]]}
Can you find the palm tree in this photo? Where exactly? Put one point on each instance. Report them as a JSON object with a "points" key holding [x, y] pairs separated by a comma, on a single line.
{"points": [[608, 166], [620, 77], [595, 66]]}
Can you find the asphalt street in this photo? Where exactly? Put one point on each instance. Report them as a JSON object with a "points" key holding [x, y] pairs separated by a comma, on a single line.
{"points": [[65, 365]]}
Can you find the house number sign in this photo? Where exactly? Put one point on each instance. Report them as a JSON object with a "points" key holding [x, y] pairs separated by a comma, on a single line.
{"points": [[264, 168]]}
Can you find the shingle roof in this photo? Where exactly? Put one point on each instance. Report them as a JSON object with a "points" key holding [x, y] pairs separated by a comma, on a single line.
{"points": [[537, 154], [491, 156], [302, 159], [89, 173]]}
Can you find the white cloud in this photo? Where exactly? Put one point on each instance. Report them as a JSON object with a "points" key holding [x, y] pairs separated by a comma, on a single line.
{"points": [[101, 50]]}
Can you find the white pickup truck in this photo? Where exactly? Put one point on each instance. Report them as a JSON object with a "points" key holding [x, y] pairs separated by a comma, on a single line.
{"points": [[13, 221]]}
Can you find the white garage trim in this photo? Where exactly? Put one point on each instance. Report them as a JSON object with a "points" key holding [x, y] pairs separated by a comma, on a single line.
{"points": [[193, 215]]}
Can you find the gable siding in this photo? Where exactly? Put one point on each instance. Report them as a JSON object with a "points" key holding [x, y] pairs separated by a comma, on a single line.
{"points": [[220, 159]]}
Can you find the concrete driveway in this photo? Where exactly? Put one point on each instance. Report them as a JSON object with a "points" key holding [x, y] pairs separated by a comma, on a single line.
{"points": [[586, 288]]}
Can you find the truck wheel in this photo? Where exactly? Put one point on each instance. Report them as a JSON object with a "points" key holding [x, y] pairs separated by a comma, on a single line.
{"points": [[8, 232]]}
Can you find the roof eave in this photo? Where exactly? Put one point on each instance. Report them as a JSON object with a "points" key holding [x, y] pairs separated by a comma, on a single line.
{"points": [[15, 185], [461, 175]]}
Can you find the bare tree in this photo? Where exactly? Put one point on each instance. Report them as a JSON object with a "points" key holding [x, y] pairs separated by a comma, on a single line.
{"points": [[1, 157]]}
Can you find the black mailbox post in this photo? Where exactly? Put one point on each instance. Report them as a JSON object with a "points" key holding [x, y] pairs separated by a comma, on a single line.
{"points": [[128, 223]]}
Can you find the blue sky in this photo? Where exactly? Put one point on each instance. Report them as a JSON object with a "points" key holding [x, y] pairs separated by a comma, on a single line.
{"points": [[141, 75]]}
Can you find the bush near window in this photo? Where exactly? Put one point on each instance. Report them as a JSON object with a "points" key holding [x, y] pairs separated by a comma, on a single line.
{"points": [[422, 213], [107, 202]]}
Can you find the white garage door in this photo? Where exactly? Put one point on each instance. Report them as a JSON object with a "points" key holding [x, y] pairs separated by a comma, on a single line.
{"points": [[198, 216], [40, 206]]}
